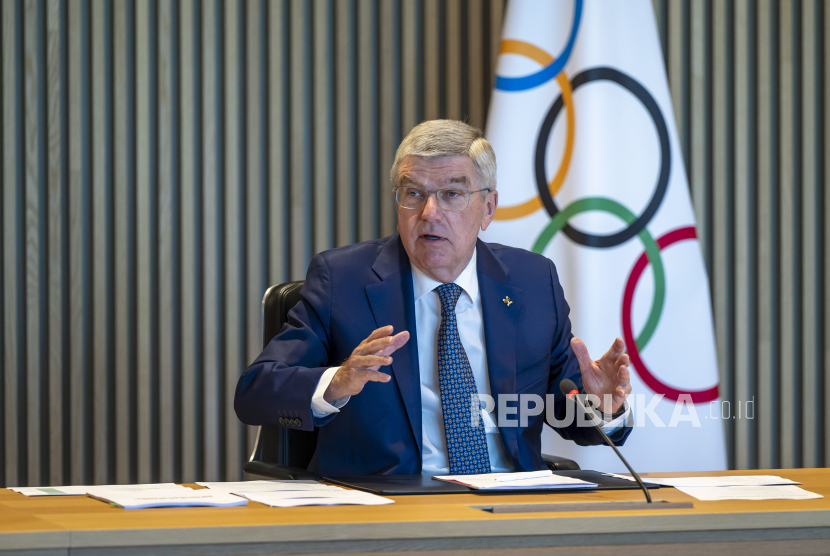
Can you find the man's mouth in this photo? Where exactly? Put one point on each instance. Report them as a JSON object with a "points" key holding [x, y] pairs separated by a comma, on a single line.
{"points": [[431, 238]]}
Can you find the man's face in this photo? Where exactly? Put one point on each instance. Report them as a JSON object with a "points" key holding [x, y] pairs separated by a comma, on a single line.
{"points": [[441, 242]]}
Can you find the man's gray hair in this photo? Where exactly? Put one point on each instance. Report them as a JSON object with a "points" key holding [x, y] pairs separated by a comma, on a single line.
{"points": [[437, 138]]}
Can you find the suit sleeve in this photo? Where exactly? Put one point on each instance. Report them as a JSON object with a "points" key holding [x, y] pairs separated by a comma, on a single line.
{"points": [[278, 386], [564, 364]]}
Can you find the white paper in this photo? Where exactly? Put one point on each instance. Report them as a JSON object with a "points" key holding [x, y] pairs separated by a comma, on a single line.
{"points": [[282, 499], [163, 498], [268, 486], [771, 492], [734, 480], [520, 476], [496, 481], [81, 490]]}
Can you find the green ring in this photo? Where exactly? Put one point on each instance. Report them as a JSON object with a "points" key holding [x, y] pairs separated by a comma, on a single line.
{"points": [[652, 251]]}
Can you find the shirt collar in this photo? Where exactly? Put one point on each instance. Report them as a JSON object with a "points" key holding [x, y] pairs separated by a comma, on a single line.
{"points": [[468, 280]]}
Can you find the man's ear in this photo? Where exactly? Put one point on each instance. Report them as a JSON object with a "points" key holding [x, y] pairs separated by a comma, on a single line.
{"points": [[491, 203]]}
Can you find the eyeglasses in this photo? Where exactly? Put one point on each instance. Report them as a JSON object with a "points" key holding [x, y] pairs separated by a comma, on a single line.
{"points": [[411, 197]]}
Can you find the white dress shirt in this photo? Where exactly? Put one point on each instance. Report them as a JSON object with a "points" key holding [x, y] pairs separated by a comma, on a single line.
{"points": [[471, 333]]}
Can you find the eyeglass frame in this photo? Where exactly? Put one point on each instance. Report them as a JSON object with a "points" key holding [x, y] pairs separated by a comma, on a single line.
{"points": [[436, 192]]}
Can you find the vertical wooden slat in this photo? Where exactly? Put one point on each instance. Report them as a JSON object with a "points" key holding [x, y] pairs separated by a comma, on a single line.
{"points": [[302, 171], [412, 64], [452, 54], [41, 467], [131, 236], [322, 66], [234, 230], [432, 77], [190, 239], [122, 319], [101, 234], [720, 296], [94, 237], [23, 321], [213, 312], [809, 313], [367, 121], [389, 137], [163, 232], [278, 166], [256, 220], [142, 239], [346, 127], [476, 70], [822, 300], [9, 90], [175, 254], [696, 136]]}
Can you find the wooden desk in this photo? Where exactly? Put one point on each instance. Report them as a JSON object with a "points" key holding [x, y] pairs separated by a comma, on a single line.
{"points": [[81, 525]]}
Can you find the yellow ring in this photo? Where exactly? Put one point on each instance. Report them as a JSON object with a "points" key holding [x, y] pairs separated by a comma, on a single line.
{"points": [[543, 58]]}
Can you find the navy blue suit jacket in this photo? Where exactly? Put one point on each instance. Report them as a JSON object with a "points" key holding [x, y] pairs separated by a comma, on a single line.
{"points": [[351, 291]]}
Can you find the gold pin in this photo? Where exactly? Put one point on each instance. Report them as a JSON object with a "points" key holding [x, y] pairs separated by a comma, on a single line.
{"points": [[507, 300]]}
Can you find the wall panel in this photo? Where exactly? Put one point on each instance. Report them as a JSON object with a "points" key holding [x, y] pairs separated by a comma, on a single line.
{"points": [[163, 162]]}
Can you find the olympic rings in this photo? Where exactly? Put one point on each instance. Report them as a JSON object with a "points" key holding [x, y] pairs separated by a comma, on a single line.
{"points": [[651, 250], [550, 69], [543, 58], [640, 92], [634, 347]]}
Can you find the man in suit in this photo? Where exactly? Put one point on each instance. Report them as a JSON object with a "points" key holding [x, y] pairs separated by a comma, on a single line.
{"points": [[395, 338]]}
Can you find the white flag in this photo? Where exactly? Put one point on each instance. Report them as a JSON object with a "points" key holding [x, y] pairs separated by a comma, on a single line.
{"points": [[590, 174]]}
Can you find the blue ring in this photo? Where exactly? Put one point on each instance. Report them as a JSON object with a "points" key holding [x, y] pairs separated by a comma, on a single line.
{"points": [[548, 72]]}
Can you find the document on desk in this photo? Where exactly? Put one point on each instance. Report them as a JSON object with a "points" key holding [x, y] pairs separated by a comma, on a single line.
{"points": [[165, 498], [734, 480], [264, 486], [769, 492], [530, 480], [290, 499], [81, 490]]}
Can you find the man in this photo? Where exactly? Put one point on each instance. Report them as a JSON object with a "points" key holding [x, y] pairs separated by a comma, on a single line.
{"points": [[394, 337]]}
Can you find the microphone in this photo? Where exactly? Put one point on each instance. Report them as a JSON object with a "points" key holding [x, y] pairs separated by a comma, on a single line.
{"points": [[569, 389]]}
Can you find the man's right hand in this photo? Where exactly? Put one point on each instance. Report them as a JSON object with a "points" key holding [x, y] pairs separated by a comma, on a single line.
{"points": [[362, 367]]}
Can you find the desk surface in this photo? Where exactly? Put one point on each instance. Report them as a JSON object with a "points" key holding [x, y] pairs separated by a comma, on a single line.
{"points": [[79, 524]]}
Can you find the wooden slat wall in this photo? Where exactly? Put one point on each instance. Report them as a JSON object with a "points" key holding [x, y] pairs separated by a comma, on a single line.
{"points": [[164, 161]]}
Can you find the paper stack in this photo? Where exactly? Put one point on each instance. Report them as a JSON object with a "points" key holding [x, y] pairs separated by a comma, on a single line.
{"points": [[287, 494], [735, 487], [164, 498], [82, 490], [531, 480]]}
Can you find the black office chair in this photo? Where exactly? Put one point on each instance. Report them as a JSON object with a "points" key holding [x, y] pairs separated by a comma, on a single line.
{"points": [[281, 453]]}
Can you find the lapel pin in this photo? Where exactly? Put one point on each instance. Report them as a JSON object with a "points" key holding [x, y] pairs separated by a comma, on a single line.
{"points": [[507, 300]]}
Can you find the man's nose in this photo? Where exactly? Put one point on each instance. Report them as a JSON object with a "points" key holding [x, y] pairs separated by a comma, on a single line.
{"points": [[431, 209]]}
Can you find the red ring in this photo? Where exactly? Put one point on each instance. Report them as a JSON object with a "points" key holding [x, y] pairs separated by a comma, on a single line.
{"points": [[698, 396]]}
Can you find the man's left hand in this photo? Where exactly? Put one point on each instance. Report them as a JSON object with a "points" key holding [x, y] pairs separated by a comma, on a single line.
{"points": [[606, 377]]}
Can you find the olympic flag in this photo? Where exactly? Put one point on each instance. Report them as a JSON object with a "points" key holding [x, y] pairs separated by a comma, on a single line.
{"points": [[590, 174]]}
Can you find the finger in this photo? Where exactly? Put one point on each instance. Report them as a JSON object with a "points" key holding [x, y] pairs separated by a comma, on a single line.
{"points": [[367, 375], [624, 360], [369, 361], [616, 350], [384, 346], [379, 333], [581, 352], [623, 374]]}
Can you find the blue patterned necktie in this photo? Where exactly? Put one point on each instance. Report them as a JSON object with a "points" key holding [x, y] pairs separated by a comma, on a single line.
{"points": [[466, 445]]}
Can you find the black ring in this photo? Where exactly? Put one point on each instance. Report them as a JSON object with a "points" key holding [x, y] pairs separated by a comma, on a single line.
{"points": [[636, 89]]}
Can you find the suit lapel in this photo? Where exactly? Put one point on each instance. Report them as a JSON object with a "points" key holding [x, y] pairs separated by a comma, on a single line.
{"points": [[501, 323], [392, 302]]}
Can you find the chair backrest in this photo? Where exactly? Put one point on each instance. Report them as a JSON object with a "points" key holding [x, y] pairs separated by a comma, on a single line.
{"points": [[276, 444]]}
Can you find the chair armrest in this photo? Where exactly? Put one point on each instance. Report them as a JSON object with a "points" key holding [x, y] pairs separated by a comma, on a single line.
{"points": [[280, 472], [556, 463]]}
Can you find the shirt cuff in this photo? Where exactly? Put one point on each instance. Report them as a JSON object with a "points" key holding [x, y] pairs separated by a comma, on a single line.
{"points": [[319, 406], [610, 427]]}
